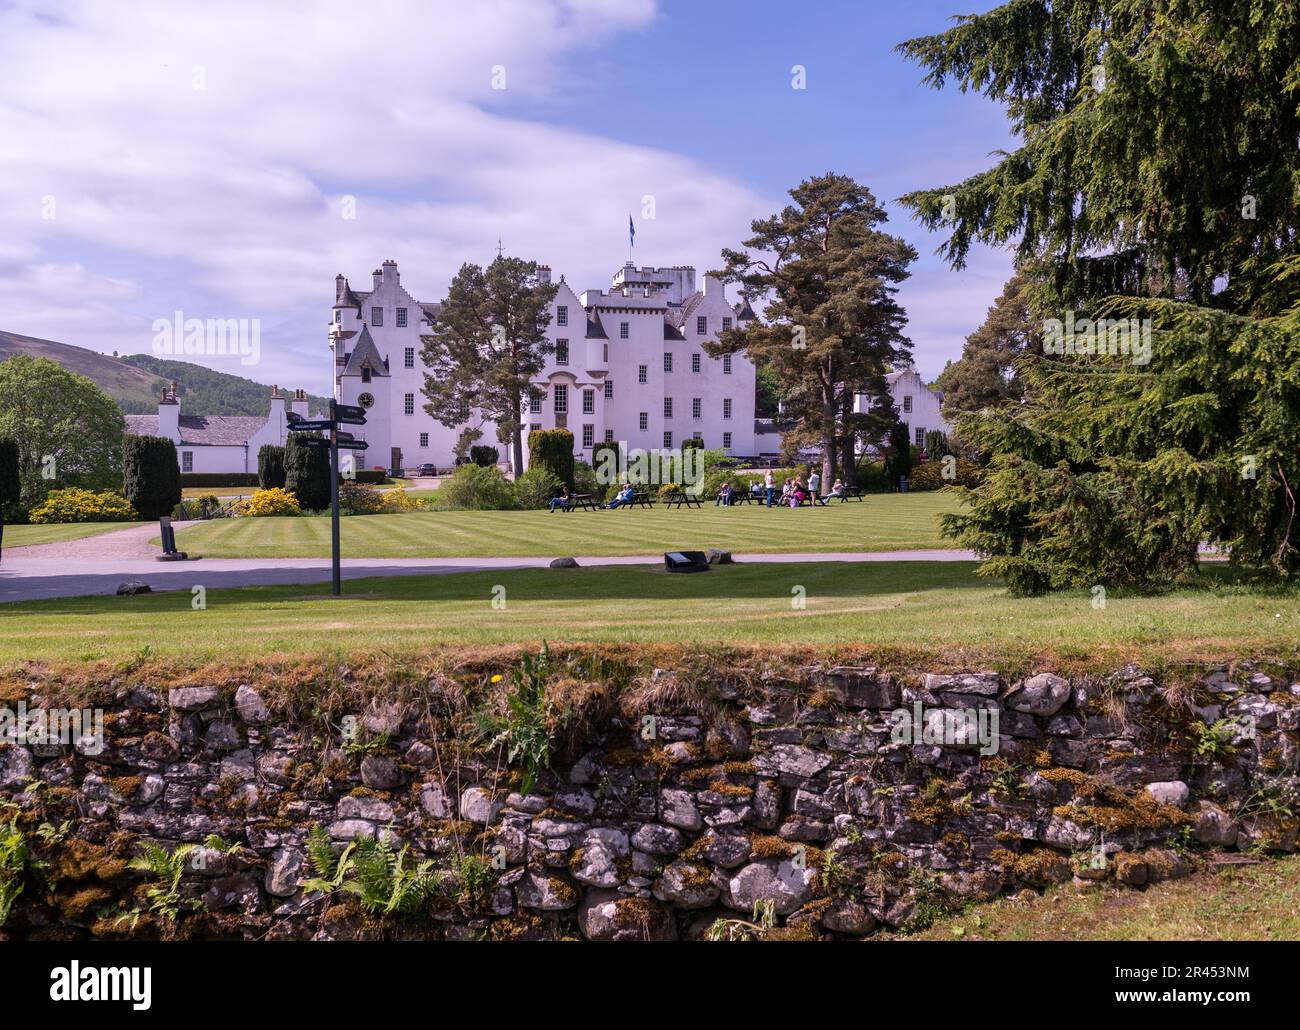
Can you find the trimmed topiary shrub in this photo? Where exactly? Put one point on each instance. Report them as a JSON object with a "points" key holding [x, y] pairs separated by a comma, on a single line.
{"points": [[77, 505], [11, 487], [475, 488], [270, 466], [307, 473], [552, 449], [536, 487], [151, 476], [482, 454]]}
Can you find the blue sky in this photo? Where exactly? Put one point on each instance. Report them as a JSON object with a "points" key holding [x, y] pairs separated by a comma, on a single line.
{"points": [[197, 159]]}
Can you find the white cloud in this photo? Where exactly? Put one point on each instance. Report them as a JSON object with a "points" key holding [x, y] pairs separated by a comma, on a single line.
{"points": [[235, 187]]}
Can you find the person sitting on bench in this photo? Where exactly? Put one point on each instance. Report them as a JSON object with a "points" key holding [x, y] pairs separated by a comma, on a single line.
{"points": [[836, 491], [724, 496], [561, 500], [797, 493], [624, 497]]}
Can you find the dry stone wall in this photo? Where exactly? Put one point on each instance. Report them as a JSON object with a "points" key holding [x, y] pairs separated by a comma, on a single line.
{"points": [[822, 802]]}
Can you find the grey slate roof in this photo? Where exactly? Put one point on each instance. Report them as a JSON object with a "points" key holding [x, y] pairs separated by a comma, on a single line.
{"points": [[202, 430], [671, 332], [347, 299], [595, 328], [365, 353], [745, 313]]}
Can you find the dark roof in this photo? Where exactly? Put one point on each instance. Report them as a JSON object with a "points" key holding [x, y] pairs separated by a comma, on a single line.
{"points": [[430, 310], [347, 299], [595, 328], [365, 353], [202, 430], [671, 332], [745, 313]]}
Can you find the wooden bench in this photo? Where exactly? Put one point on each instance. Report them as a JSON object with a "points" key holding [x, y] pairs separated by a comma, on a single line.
{"points": [[850, 491], [641, 499], [680, 498], [586, 501]]}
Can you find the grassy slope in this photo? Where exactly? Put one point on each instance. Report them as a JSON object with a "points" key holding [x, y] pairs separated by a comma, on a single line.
{"points": [[22, 536], [1254, 902], [936, 612], [882, 522], [137, 387]]}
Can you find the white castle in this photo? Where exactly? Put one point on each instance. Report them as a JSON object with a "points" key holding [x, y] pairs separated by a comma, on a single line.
{"points": [[628, 366]]}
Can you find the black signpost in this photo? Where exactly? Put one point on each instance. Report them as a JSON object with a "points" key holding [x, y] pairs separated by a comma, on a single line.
{"points": [[350, 415]]}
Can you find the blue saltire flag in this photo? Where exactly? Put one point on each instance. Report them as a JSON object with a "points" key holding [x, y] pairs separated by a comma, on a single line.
{"points": [[631, 231]]}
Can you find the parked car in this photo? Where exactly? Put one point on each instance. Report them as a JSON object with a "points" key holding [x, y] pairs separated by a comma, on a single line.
{"points": [[397, 473], [427, 469]]}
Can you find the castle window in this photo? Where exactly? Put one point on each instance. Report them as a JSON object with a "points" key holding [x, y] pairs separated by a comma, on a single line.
{"points": [[377, 316], [696, 407], [561, 399], [645, 421], [561, 352], [609, 436], [726, 441], [668, 407], [535, 399], [641, 373], [668, 440], [609, 389], [588, 402], [726, 324], [424, 439], [726, 407], [588, 436], [562, 315], [463, 411], [401, 319], [907, 403], [668, 362], [622, 330], [920, 436], [702, 324], [408, 403], [409, 359], [726, 364], [365, 373], [695, 363], [187, 461]]}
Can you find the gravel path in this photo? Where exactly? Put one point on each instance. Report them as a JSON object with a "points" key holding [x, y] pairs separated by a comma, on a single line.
{"points": [[120, 545]]}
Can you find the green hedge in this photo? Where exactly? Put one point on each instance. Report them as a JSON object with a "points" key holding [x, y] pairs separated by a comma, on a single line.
{"points": [[270, 467], [219, 479], [307, 473], [552, 449]]}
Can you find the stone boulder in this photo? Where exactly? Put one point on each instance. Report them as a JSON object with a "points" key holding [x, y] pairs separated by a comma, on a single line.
{"points": [[783, 883], [1044, 694], [606, 915]]}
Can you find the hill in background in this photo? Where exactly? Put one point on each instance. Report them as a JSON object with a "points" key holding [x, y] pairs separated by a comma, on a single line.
{"points": [[136, 381]]}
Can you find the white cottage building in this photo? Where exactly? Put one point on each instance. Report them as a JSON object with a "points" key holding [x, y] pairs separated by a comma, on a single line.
{"points": [[218, 443], [628, 366], [918, 406]]}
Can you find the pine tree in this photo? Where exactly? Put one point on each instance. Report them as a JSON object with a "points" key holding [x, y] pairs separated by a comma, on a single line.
{"points": [[832, 327], [985, 376], [1155, 180], [487, 344]]}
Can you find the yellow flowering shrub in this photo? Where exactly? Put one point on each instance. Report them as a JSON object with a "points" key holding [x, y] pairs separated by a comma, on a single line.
{"points": [[397, 499], [275, 501], [76, 505]]}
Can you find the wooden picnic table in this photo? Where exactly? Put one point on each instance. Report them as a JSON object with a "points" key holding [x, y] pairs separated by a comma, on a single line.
{"points": [[680, 498], [587, 501]]}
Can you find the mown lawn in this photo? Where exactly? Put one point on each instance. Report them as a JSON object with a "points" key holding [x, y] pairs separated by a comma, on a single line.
{"points": [[882, 522], [936, 611], [23, 536], [1240, 903]]}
